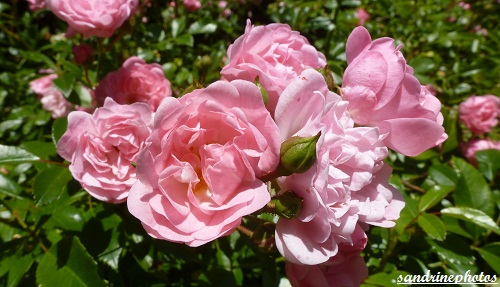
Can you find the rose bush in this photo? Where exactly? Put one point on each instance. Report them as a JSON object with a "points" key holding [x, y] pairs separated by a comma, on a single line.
{"points": [[199, 173], [135, 81], [480, 113], [98, 18], [273, 53], [103, 147], [382, 92], [51, 98]]}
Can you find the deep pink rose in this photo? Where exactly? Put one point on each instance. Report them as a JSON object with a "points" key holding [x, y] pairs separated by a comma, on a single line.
{"points": [[51, 98], [199, 174], [102, 147], [191, 5], [347, 185], [470, 148], [382, 92], [362, 16], [135, 81], [274, 53], [36, 5], [480, 113], [98, 18], [82, 53]]}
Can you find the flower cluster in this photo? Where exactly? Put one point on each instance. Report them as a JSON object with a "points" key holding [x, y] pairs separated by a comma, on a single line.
{"points": [[192, 168]]}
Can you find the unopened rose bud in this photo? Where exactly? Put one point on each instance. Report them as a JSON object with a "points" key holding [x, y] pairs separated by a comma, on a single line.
{"points": [[287, 205], [298, 154], [263, 237], [82, 53], [328, 75], [263, 91]]}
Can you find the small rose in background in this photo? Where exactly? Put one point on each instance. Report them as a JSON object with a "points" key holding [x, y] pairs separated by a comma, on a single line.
{"points": [[199, 174], [103, 147], [465, 6], [51, 98], [82, 53], [362, 16], [98, 18], [470, 148], [191, 5], [275, 54], [135, 81], [36, 5], [382, 92], [480, 113]]}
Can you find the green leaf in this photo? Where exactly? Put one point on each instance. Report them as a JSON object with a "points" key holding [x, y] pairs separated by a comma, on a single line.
{"points": [[50, 183], [185, 39], [65, 84], [202, 27], [491, 254], [385, 279], [450, 125], [475, 216], [454, 251], [84, 96], [472, 189], [177, 26], [59, 127], [488, 162], [443, 175], [68, 218], [433, 196], [432, 225], [41, 149], [15, 155], [68, 264], [18, 268], [9, 187]]}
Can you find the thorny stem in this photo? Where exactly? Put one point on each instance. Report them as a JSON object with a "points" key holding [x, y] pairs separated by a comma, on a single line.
{"points": [[53, 162], [245, 231]]}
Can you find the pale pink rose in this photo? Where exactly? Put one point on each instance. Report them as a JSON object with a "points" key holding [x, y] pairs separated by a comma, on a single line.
{"points": [[470, 148], [82, 53], [36, 5], [480, 113], [192, 5], [98, 18], [382, 92], [349, 182], [51, 98], [199, 174], [274, 53], [135, 81], [362, 16], [102, 147]]}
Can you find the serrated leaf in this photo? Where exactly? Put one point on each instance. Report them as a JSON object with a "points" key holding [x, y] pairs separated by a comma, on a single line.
{"points": [[68, 264], [472, 189], [50, 183], [84, 96], [65, 84], [491, 254], [9, 187], [443, 175], [454, 250], [488, 162], [18, 269], [432, 225], [15, 155], [475, 216], [59, 127], [433, 196]]}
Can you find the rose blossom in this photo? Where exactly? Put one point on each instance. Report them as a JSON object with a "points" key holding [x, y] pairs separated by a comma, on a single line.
{"points": [[273, 53], [347, 185], [135, 81], [103, 146], [382, 92], [36, 5], [191, 5], [199, 174], [347, 268], [98, 18], [480, 113], [51, 98], [470, 148], [362, 16]]}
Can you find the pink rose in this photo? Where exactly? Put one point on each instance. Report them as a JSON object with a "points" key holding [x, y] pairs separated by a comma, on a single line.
{"points": [[275, 54], [347, 185], [51, 98], [480, 113], [199, 174], [102, 147], [191, 5], [382, 92], [36, 5], [470, 148], [362, 16], [98, 18], [82, 53], [135, 81]]}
